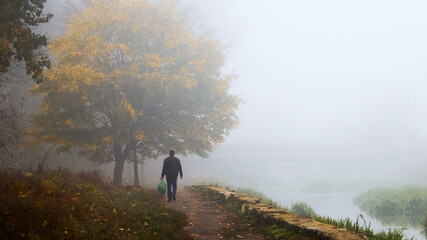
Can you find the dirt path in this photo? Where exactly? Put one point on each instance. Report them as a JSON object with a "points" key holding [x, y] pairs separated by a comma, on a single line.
{"points": [[209, 220]]}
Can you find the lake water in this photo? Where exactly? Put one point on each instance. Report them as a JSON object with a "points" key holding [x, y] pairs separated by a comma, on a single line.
{"points": [[334, 205], [325, 179]]}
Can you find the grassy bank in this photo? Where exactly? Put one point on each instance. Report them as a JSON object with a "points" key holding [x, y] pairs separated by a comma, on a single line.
{"points": [[302, 209], [61, 205]]}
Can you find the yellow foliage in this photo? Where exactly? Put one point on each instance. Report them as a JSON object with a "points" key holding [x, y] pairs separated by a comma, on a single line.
{"points": [[153, 60], [197, 64], [69, 123], [49, 186], [92, 147], [108, 140], [189, 82], [139, 135], [119, 59], [125, 105], [223, 85]]}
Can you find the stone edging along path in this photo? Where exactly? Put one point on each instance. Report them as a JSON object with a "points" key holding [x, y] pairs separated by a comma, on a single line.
{"points": [[305, 226]]}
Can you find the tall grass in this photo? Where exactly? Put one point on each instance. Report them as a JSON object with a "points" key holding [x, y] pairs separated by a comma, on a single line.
{"points": [[424, 226], [365, 229], [61, 205], [404, 206]]}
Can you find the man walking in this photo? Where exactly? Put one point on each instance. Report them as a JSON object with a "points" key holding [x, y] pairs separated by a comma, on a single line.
{"points": [[171, 167]]}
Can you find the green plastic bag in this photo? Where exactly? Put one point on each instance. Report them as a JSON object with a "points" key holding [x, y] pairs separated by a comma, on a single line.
{"points": [[161, 187]]}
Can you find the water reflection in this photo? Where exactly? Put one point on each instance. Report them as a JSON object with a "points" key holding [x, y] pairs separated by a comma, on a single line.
{"points": [[413, 221]]}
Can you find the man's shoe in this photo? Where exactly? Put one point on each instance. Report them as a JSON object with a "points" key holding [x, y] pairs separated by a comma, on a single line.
{"points": [[169, 200], [174, 197]]}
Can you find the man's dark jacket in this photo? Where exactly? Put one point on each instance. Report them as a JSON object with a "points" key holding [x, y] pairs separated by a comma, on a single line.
{"points": [[171, 167]]}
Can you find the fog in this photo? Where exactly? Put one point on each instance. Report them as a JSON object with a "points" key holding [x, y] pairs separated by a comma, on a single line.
{"points": [[327, 72], [342, 79], [328, 76], [334, 100]]}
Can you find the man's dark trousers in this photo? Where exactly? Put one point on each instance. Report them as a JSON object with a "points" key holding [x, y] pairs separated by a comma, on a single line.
{"points": [[172, 183]]}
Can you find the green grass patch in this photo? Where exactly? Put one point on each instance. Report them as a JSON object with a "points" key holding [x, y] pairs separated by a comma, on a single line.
{"points": [[406, 206], [61, 205], [279, 233]]}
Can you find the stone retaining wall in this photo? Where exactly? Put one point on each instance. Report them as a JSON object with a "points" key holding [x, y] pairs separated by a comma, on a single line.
{"points": [[266, 213]]}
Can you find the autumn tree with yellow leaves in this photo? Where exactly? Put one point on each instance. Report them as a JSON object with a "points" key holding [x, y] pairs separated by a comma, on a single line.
{"points": [[130, 75]]}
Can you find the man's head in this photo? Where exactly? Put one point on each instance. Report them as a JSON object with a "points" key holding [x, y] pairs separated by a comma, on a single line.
{"points": [[172, 152]]}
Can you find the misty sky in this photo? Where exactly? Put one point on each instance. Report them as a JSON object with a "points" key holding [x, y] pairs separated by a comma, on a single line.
{"points": [[351, 72]]}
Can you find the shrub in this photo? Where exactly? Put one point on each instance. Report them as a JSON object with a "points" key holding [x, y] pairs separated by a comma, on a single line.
{"points": [[302, 209]]}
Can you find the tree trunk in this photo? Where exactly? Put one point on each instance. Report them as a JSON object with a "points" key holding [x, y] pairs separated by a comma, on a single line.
{"points": [[135, 168], [118, 171], [120, 156], [118, 167]]}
